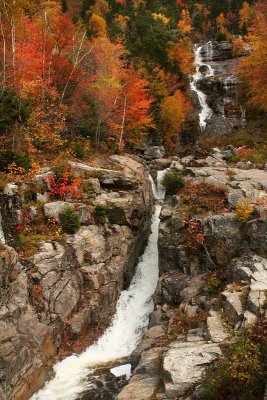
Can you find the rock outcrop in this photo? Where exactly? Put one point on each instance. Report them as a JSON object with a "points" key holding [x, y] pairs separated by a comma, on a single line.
{"points": [[53, 297], [208, 290]]}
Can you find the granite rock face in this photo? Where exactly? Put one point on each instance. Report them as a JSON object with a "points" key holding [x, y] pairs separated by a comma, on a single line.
{"points": [[207, 293], [184, 364], [64, 289]]}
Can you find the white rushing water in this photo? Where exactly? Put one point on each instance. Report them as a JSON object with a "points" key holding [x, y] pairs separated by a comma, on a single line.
{"points": [[125, 331], [206, 111]]}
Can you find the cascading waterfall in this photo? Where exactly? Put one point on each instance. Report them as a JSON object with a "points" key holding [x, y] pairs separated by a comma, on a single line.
{"points": [[206, 111], [126, 329]]}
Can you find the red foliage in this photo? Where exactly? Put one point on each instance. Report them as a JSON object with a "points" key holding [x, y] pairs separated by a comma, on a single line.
{"points": [[64, 186], [243, 150], [180, 3], [24, 224], [194, 229]]}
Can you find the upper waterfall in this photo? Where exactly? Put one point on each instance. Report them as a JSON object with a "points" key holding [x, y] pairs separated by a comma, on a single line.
{"points": [[206, 111]]}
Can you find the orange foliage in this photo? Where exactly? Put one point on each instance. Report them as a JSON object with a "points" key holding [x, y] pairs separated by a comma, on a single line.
{"points": [[182, 55], [253, 69], [97, 26], [239, 47], [64, 186], [173, 112]]}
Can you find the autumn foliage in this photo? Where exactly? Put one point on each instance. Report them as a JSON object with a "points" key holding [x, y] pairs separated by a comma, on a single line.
{"points": [[63, 185], [253, 68]]}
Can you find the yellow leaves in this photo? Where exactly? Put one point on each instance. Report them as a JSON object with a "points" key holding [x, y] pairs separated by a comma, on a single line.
{"points": [[245, 14], [253, 69], [173, 110], [161, 17], [244, 210], [122, 21], [239, 47], [100, 7], [97, 26], [184, 25], [221, 23], [182, 54]]}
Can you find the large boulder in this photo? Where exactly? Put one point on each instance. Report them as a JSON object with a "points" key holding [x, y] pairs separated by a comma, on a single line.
{"points": [[154, 152], [183, 365], [26, 344], [145, 380]]}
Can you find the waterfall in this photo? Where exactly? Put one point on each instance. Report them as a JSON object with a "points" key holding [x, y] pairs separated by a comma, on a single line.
{"points": [[206, 111], [121, 338]]}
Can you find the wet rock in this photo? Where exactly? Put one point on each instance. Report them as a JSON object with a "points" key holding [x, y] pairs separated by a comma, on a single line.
{"points": [[176, 288], [2, 235], [220, 51], [150, 339], [161, 163], [154, 152], [145, 379], [183, 365], [105, 385], [203, 69]]}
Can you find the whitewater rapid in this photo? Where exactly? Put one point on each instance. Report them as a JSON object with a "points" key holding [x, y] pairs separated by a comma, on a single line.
{"points": [[121, 338], [206, 111]]}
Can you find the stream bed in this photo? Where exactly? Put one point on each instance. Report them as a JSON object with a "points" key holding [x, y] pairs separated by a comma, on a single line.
{"points": [[93, 375]]}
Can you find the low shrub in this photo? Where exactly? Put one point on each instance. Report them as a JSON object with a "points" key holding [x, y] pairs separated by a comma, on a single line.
{"points": [[173, 181], [241, 372], [202, 197], [63, 184], [233, 159], [100, 213], [244, 210], [28, 243], [9, 157], [69, 220], [213, 284], [78, 150]]}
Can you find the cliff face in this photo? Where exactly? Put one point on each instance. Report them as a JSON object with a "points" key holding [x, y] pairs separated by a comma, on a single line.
{"points": [[63, 291], [213, 277], [221, 88]]}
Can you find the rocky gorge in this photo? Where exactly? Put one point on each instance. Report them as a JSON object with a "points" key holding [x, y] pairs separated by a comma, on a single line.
{"points": [[212, 251], [209, 290], [50, 299]]}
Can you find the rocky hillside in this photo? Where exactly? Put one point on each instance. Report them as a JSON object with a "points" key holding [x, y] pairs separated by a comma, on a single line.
{"points": [[59, 292], [212, 286]]}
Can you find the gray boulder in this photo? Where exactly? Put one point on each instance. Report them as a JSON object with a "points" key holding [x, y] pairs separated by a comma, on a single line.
{"points": [[154, 152], [183, 365]]}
